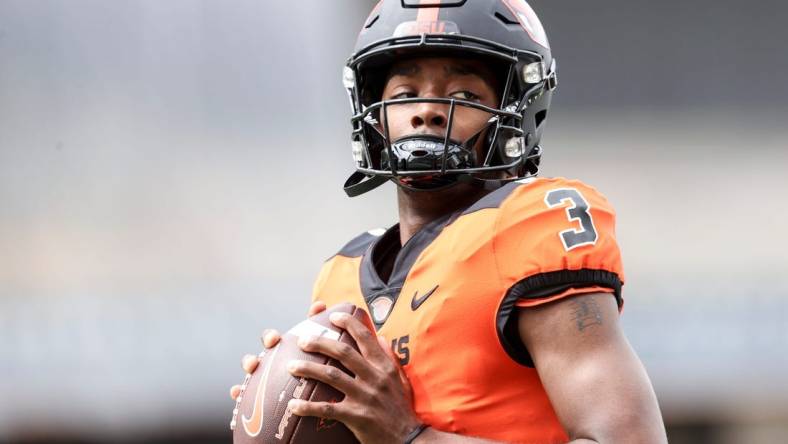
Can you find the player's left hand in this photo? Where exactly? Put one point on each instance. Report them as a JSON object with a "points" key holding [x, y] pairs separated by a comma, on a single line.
{"points": [[378, 401]]}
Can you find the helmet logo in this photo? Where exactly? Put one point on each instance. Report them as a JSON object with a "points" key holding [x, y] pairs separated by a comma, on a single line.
{"points": [[427, 21], [419, 28], [528, 18]]}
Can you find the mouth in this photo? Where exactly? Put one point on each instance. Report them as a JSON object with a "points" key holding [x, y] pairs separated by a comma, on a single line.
{"points": [[428, 182]]}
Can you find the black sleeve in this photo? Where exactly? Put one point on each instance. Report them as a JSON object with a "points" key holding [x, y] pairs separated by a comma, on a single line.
{"points": [[543, 286]]}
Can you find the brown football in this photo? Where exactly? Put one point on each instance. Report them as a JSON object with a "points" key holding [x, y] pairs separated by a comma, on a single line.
{"points": [[261, 415]]}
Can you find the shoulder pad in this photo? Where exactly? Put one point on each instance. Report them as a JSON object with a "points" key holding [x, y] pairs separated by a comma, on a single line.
{"points": [[552, 224], [360, 243]]}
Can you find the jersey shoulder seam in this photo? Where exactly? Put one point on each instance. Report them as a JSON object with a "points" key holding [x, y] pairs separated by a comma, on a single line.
{"points": [[496, 199], [359, 244]]}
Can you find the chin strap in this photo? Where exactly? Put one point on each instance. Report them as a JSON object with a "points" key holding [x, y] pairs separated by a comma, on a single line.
{"points": [[485, 184], [359, 183], [356, 185]]}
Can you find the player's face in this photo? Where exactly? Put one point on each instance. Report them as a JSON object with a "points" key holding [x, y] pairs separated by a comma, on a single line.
{"points": [[447, 77]]}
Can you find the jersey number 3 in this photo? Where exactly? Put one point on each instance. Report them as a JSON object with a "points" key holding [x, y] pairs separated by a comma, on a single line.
{"points": [[573, 238]]}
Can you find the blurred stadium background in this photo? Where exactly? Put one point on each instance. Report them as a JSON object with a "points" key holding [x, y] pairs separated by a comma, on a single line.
{"points": [[170, 182]]}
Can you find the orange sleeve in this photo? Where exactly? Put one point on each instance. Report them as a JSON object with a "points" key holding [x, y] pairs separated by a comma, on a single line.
{"points": [[556, 238]]}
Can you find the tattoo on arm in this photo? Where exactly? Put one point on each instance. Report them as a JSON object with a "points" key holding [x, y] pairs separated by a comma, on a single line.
{"points": [[586, 312]]}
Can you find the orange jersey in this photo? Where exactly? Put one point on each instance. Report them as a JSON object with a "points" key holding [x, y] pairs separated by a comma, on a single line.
{"points": [[447, 305]]}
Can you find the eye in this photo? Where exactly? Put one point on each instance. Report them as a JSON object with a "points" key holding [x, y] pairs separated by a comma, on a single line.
{"points": [[465, 95], [403, 95]]}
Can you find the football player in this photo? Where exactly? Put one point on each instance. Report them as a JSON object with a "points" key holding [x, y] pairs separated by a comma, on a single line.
{"points": [[496, 297]]}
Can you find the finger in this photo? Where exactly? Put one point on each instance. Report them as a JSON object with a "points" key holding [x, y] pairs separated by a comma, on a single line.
{"points": [[383, 342], [270, 338], [327, 410], [235, 391], [340, 351], [325, 373], [249, 363], [317, 307], [365, 339]]}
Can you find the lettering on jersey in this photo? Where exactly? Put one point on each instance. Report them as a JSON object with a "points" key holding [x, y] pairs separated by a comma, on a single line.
{"points": [[400, 348], [573, 238]]}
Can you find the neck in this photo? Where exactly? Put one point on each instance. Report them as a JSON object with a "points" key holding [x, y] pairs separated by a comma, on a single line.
{"points": [[419, 208]]}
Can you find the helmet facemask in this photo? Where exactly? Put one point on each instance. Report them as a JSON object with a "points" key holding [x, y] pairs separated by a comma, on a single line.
{"points": [[426, 161]]}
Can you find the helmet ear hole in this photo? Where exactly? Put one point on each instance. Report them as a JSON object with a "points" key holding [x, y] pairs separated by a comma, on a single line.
{"points": [[506, 20], [539, 118], [372, 21]]}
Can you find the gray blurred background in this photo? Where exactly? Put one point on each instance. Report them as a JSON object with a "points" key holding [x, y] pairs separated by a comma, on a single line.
{"points": [[170, 183]]}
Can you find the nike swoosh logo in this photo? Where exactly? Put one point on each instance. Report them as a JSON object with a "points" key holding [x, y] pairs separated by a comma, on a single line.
{"points": [[254, 425], [416, 302]]}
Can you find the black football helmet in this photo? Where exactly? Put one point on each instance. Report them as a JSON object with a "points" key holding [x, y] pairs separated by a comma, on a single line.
{"points": [[507, 35]]}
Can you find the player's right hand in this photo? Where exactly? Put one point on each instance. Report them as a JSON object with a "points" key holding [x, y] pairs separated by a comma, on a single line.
{"points": [[270, 338]]}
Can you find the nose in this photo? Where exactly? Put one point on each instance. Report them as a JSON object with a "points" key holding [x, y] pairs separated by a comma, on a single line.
{"points": [[429, 115]]}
